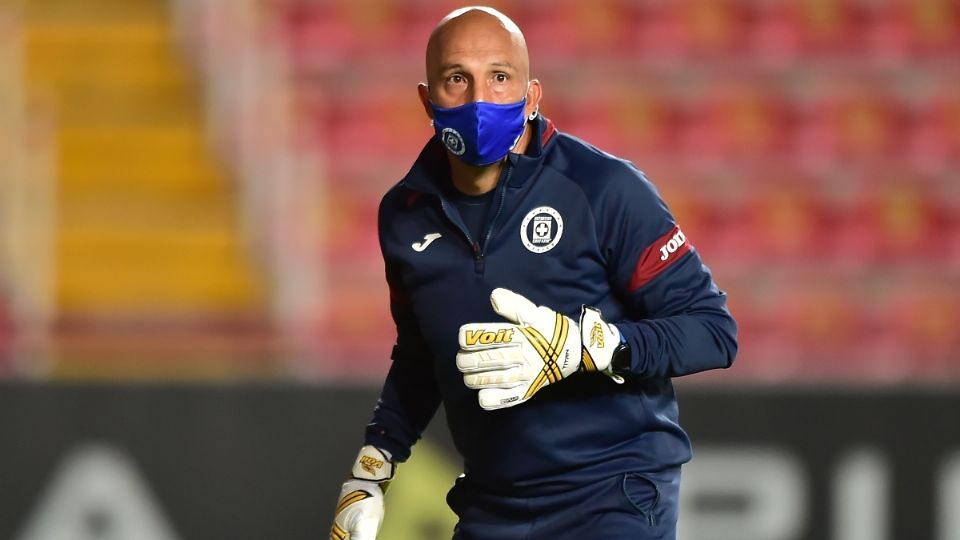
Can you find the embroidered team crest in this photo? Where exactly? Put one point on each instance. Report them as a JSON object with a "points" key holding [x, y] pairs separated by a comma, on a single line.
{"points": [[541, 229], [453, 141]]}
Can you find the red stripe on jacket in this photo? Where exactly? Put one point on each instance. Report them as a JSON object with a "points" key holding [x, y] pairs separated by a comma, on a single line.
{"points": [[658, 257]]}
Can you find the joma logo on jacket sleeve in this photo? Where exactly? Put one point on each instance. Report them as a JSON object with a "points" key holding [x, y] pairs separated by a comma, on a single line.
{"points": [[672, 245], [658, 257]]}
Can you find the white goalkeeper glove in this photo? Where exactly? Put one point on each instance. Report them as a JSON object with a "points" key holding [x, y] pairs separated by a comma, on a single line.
{"points": [[510, 362], [360, 510]]}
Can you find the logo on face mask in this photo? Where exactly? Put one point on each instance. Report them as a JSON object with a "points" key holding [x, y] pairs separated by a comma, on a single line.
{"points": [[453, 141]]}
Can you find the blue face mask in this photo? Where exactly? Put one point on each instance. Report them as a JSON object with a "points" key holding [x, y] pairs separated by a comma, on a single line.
{"points": [[480, 133]]}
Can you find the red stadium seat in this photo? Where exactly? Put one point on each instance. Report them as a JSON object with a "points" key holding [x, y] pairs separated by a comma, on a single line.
{"points": [[716, 27], [934, 27], [773, 35], [826, 26]]}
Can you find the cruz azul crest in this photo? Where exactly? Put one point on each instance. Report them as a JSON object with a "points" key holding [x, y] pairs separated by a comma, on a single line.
{"points": [[541, 229]]}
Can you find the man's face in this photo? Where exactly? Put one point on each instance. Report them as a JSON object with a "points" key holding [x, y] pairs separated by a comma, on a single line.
{"points": [[476, 60]]}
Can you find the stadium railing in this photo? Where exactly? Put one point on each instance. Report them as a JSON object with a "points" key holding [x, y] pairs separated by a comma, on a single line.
{"points": [[27, 208]]}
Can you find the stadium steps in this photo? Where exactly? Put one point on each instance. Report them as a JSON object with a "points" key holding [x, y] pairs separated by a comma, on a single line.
{"points": [[76, 10], [147, 224]]}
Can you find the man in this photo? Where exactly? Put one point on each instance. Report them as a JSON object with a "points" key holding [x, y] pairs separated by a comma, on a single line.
{"points": [[544, 294]]}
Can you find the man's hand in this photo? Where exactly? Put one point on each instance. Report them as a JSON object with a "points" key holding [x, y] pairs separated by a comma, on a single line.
{"points": [[360, 509], [510, 362]]}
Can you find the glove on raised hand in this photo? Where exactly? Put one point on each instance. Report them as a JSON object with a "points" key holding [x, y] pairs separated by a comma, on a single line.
{"points": [[360, 509], [510, 362]]}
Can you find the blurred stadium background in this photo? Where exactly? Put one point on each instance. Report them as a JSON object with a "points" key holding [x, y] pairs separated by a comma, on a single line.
{"points": [[188, 194]]}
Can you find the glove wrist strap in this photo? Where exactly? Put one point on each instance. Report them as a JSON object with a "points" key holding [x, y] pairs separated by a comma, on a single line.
{"points": [[600, 341], [373, 465]]}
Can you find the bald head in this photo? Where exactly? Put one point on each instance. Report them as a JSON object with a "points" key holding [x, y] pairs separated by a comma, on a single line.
{"points": [[477, 54], [475, 32]]}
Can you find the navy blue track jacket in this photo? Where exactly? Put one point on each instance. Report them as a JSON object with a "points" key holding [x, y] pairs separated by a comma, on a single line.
{"points": [[569, 225]]}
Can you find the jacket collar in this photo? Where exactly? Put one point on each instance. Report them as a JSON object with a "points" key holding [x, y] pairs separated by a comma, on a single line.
{"points": [[431, 169]]}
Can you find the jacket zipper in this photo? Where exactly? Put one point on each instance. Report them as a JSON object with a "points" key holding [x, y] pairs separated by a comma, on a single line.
{"points": [[473, 245], [478, 250], [503, 195]]}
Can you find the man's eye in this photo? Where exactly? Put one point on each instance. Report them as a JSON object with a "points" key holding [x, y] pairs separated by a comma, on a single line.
{"points": [[501, 77], [456, 79]]}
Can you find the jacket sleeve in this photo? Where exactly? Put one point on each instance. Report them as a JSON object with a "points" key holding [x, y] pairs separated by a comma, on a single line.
{"points": [[410, 395], [679, 322]]}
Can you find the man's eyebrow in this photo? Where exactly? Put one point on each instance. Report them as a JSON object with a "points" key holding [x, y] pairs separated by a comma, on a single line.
{"points": [[449, 67]]}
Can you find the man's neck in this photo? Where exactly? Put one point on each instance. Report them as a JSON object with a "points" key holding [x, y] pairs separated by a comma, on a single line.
{"points": [[477, 180], [474, 180]]}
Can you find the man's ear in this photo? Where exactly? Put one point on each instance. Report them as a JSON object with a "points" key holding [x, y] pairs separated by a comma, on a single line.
{"points": [[534, 93], [424, 93]]}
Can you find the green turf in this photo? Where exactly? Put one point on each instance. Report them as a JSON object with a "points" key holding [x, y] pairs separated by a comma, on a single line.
{"points": [[415, 503]]}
